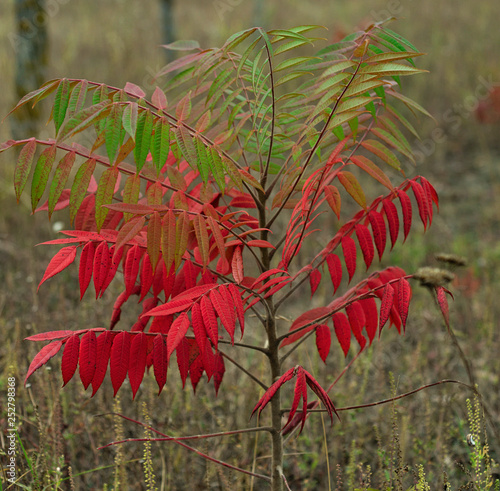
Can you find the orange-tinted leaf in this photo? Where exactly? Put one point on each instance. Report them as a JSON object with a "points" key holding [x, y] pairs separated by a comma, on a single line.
{"points": [[352, 186], [104, 195]]}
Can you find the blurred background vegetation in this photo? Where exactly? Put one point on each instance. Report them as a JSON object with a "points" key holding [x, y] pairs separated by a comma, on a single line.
{"points": [[118, 41]]}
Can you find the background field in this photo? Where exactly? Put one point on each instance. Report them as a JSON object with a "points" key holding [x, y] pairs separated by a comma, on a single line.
{"points": [[117, 41]]}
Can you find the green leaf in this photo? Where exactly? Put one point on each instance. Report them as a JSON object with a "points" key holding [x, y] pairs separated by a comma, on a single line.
{"points": [[60, 179], [394, 142], [161, 143], [131, 193], [100, 95], [186, 145], [41, 174], [410, 103], [143, 138], [80, 186], [203, 159], [83, 119], [113, 134], [104, 194], [237, 39], [37, 95], [77, 98], [217, 168], [61, 103], [182, 45], [283, 48], [389, 68], [23, 167], [129, 118], [292, 62], [379, 57]]}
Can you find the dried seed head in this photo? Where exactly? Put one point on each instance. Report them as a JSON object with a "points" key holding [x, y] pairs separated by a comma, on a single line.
{"points": [[433, 276], [451, 259]]}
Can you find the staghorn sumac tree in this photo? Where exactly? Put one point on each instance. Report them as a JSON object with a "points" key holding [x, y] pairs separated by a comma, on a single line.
{"points": [[181, 194]]}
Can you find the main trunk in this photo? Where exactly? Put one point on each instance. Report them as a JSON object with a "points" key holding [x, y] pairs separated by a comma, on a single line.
{"points": [[275, 365]]}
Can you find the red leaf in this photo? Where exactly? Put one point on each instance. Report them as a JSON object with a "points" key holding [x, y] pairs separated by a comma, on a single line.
{"points": [[357, 321], [88, 358], [269, 394], [200, 334], [266, 275], [404, 297], [114, 262], [307, 317], [323, 396], [332, 196], [335, 270], [237, 265], [219, 370], [177, 331], [70, 356], [48, 336], [208, 360], [238, 303], [43, 356], [146, 276], [430, 191], [222, 310], [210, 320], [391, 214], [101, 266], [160, 361], [119, 360], [379, 231], [171, 307], [342, 331], [196, 370], [130, 230], [443, 304], [131, 267], [154, 238], [422, 203], [323, 341], [138, 354], [260, 243], [385, 307], [182, 352], [59, 262], [104, 342], [314, 280], [407, 211], [86, 267], [371, 316], [349, 250], [365, 243], [300, 392]]}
